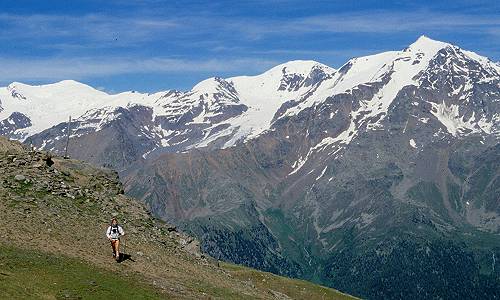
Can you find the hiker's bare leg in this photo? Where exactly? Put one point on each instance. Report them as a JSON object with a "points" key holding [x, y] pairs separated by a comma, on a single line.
{"points": [[114, 249], [117, 249]]}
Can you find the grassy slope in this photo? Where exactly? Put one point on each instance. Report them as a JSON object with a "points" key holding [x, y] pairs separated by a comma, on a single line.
{"points": [[48, 237], [33, 274]]}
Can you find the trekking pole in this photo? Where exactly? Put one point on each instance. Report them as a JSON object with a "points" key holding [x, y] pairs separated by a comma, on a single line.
{"points": [[67, 138]]}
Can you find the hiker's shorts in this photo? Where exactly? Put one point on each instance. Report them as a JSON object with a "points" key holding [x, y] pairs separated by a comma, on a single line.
{"points": [[113, 243]]}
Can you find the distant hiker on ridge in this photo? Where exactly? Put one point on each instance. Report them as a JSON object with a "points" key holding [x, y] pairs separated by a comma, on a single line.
{"points": [[113, 233]]}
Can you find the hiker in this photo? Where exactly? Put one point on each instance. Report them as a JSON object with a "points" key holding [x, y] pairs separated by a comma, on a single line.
{"points": [[113, 233]]}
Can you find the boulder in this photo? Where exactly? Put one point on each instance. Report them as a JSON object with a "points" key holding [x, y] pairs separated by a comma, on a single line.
{"points": [[19, 177]]}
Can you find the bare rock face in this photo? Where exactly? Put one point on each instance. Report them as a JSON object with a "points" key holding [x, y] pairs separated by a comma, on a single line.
{"points": [[14, 122]]}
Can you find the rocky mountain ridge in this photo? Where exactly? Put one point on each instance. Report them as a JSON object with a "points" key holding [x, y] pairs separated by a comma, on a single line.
{"points": [[219, 113]]}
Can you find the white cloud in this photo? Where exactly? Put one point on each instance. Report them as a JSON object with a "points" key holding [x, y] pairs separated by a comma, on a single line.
{"points": [[369, 22], [125, 29], [90, 28], [93, 45], [91, 67]]}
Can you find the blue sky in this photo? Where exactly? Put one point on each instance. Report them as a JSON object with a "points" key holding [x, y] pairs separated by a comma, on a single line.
{"points": [[152, 45]]}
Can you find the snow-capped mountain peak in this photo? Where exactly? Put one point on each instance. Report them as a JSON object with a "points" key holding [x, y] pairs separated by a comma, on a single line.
{"points": [[208, 86], [427, 45], [220, 112], [299, 67], [374, 83]]}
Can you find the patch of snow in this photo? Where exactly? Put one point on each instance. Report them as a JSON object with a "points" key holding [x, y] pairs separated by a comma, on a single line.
{"points": [[484, 61], [298, 164], [164, 143], [424, 120], [322, 173], [145, 155], [455, 124]]}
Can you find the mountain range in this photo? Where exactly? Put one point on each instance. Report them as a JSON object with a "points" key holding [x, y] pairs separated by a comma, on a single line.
{"points": [[380, 178]]}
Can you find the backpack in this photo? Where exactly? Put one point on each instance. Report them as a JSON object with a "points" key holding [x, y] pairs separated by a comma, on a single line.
{"points": [[114, 231]]}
